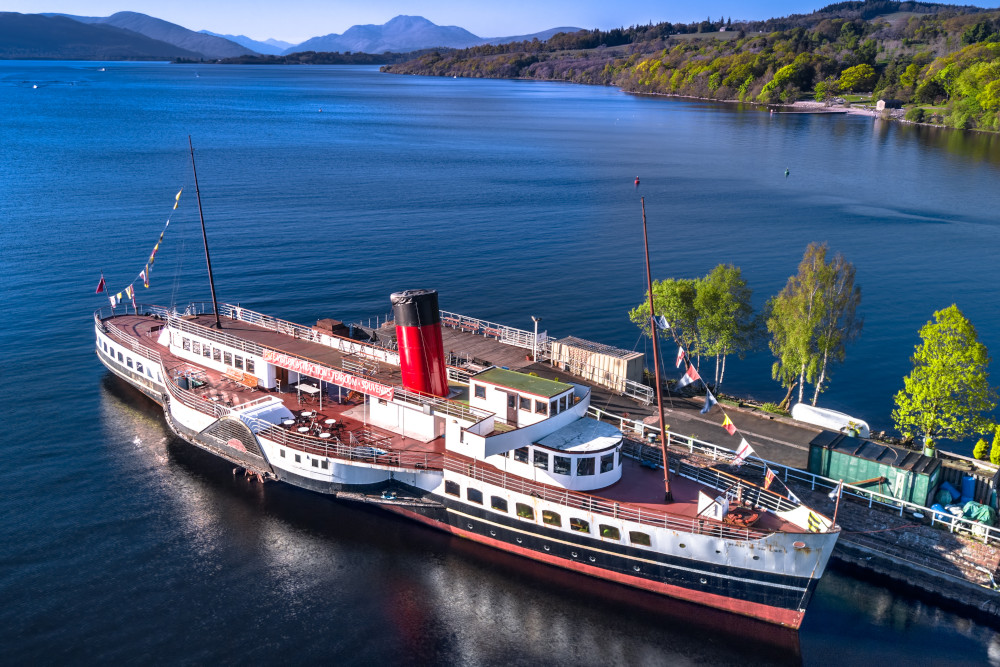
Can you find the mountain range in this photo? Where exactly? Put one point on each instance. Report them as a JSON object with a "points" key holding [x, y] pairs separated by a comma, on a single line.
{"points": [[135, 36]]}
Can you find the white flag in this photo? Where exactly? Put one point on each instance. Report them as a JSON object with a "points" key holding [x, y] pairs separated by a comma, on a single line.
{"points": [[743, 452], [661, 322], [837, 490]]}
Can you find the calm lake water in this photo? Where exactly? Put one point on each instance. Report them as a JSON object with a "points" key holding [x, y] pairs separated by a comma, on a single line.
{"points": [[327, 188]]}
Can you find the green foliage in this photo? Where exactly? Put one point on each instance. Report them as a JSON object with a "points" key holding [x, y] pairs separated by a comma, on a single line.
{"points": [[995, 448], [916, 114], [981, 450], [812, 319], [674, 299], [858, 78], [773, 408], [948, 392]]}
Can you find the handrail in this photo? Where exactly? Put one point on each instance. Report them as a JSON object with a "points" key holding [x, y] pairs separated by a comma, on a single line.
{"points": [[501, 332], [987, 533], [588, 503]]}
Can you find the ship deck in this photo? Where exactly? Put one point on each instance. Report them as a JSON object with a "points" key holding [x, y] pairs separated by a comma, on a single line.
{"points": [[639, 486]]}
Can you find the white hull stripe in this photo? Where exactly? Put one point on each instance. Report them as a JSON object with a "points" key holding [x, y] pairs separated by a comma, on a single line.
{"points": [[618, 555]]}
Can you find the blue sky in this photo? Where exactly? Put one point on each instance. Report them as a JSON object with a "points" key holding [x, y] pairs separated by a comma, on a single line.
{"points": [[297, 20]]}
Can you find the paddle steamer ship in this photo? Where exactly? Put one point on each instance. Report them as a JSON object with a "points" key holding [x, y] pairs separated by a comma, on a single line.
{"points": [[504, 458]]}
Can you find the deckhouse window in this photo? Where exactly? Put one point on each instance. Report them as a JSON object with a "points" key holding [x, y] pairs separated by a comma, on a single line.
{"points": [[542, 407], [642, 539], [525, 511], [129, 362], [474, 496], [563, 403], [525, 403], [227, 358], [579, 525], [608, 462], [216, 354], [480, 390], [561, 465], [196, 347], [584, 466], [452, 489], [238, 362], [555, 408], [521, 454], [541, 460], [120, 358], [551, 518], [498, 503], [138, 367], [186, 344], [206, 351], [610, 532], [250, 365]]}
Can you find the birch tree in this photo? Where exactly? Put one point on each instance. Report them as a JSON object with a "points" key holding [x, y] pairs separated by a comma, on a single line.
{"points": [[726, 320], [674, 299], [839, 323]]}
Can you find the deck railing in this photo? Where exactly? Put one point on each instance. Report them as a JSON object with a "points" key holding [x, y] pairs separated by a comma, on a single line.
{"points": [[588, 503], [501, 332]]}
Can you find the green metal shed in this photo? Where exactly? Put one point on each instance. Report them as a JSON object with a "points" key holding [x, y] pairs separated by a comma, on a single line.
{"points": [[910, 475]]}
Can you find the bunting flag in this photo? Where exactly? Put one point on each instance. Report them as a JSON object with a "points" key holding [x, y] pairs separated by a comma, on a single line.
{"points": [[101, 286], [177, 199], [662, 323], [144, 274], [730, 427], [690, 375], [113, 301], [709, 402], [680, 356], [768, 478], [792, 496], [119, 296], [130, 293], [743, 452], [837, 490]]}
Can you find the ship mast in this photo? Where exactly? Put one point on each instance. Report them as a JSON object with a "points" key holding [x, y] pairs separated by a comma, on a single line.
{"points": [[204, 237], [656, 361]]}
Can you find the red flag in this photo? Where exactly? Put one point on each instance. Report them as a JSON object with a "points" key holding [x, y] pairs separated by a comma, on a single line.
{"points": [[691, 375], [680, 356], [728, 424], [768, 478], [101, 286], [743, 452]]}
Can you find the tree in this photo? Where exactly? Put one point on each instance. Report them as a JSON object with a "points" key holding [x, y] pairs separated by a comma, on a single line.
{"points": [[674, 299], [948, 392], [995, 448], [982, 450], [725, 316], [839, 324], [859, 77]]}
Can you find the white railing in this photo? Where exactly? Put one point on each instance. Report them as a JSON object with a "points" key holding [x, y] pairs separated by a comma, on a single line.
{"points": [[501, 332], [988, 534]]}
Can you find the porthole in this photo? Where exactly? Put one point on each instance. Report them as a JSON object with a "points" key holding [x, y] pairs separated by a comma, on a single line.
{"points": [[756, 557], [593, 560], [573, 554], [703, 580], [546, 547], [717, 551], [470, 526], [636, 568], [519, 540], [493, 533], [682, 545]]}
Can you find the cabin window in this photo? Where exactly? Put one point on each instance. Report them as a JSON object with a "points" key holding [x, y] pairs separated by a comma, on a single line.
{"points": [[474, 496], [325, 465], [498, 503], [584, 466], [480, 390], [525, 403], [105, 347], [186, 344], [521, 454], [149, 372], [196, 347], [216, 354], [138, 367], [555, 408], [281, 452], [542, 407], [120, 358], [608, 462], [579, 525], [238, 362], [610, 532], [563, 403], [561, 465], [129, 362], [642, 539], [315, 463], [112, 353], [551, 518], [298, 458], [452, 489], [525, 511], [206, 351], [250, 365], [227, 358], [541, 460]]}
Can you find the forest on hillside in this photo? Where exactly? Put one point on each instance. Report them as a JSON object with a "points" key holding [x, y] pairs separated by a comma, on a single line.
{"points": [[944, 60]]}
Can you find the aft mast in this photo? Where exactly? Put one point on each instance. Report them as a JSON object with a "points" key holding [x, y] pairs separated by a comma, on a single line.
{"points": [[667, 495], [204, 237]]}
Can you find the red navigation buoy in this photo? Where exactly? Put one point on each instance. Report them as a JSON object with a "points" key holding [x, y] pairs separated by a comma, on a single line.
{"points": [[636, 181]]}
